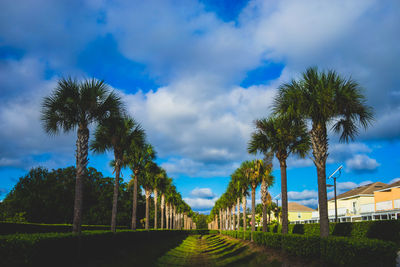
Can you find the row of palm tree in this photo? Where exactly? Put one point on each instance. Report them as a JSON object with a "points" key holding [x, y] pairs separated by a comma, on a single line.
{"points": [[77, 105], [321, 100], [303, 111], [248, 176]]}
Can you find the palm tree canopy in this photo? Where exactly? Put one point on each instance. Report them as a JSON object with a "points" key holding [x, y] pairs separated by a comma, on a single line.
{"points": [[280, 135], [325, 97], [76, 103]]}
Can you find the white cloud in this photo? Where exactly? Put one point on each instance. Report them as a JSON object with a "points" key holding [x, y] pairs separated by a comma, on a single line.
{"points": [[312, 202], [362, 163], [305, 194], [200, 203], [202, 193], [394, 180], [200, 118]]}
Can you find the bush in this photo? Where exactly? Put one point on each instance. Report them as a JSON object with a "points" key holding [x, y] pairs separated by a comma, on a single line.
{"points": [[67, 249], [30, 228], [333, 250], [345, 251], [300, 245], [272, 240], [384, 230]]}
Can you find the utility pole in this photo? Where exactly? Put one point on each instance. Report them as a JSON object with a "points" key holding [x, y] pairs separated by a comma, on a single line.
{"points": [[334, 187]]}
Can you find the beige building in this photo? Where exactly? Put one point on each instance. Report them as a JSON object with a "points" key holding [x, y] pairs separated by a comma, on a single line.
{"points": [[353, 204], [298, 212]]}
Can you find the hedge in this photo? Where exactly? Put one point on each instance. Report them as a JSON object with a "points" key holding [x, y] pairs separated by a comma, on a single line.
{"points": [[333, 250], [67, 249], [384, 230], [12, 228]]}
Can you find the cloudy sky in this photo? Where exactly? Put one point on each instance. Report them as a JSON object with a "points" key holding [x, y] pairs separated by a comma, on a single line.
{"points": [[196, 74]]}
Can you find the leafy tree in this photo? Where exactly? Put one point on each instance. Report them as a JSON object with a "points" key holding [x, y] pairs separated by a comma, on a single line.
{"points": [[76, 105], [325, 98], [282, 136], [47, 197]]}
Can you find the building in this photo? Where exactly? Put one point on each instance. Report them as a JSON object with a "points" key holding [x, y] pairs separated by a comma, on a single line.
{"points": [[387, 202], [298, 213], [354, 204]]}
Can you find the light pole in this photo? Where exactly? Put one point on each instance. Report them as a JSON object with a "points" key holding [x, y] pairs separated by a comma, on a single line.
{"points": [[334, 186]]}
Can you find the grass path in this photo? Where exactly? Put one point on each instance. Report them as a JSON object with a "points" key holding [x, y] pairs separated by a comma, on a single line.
{"points": [[214, 250]]}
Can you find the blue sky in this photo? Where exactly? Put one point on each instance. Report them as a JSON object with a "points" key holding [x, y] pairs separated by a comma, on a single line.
{"points": [[196, 74]]}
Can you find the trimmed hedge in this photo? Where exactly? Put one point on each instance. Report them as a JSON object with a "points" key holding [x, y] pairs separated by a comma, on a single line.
{"points": [[30, 228], [89, 248], [334, 250], [384, 230]]}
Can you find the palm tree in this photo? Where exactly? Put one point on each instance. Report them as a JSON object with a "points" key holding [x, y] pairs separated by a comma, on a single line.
{"points": [[258, 172], [282, 136], [138, 156], [164, 185], [74, 105], [147, 182], [325, 98], [241, 183], [116, 133], [158, 181]]}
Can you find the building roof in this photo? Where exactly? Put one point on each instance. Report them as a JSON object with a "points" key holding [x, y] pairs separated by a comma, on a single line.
{"points": [[367, 189], [293, 206], [395, 184]]}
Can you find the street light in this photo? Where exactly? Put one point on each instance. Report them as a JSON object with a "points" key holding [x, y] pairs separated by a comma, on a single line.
{"points": [[334, 186]]}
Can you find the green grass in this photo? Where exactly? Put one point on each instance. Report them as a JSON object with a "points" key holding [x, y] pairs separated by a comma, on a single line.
{"points": [[214, 250]]}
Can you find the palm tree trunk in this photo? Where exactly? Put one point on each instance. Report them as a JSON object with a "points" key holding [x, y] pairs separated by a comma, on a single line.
{"points": [[319, 141], [264, 194], [253, 210], [155, 208], [162, 210], [285, 220], [147, 192], [238, 213], [115, 194], [220, 220], [167, 215], [244, 203], [134, 201], [265, 219], [233, 218], [81, 163]]}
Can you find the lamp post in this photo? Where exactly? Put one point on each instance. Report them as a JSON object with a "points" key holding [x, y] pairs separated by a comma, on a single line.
{"points": [[334, 187]]}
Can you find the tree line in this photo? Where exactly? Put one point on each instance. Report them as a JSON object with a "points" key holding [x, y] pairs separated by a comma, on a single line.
{"points": [[303, 112], [75, 105]]}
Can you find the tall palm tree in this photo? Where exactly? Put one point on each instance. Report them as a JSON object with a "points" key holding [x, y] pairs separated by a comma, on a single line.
{"points": [[138, 156], [117, 133], [147, 182], [283, 136], [73, 105], [257, 172], [325, 98], [158, 182], [164, 186]]}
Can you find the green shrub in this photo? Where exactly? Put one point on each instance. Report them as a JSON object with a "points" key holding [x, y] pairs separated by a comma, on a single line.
{"points": [[272, 240], [344, 251], [30, 228], [67, 249], [333, 250], [296, 229], [300, 245]]}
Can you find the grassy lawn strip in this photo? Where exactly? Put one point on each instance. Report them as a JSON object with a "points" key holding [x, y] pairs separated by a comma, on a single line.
{"points": [[214, 250]]}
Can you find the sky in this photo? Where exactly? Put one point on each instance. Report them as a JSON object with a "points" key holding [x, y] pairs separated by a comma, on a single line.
{"points": [[196, 74]]}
